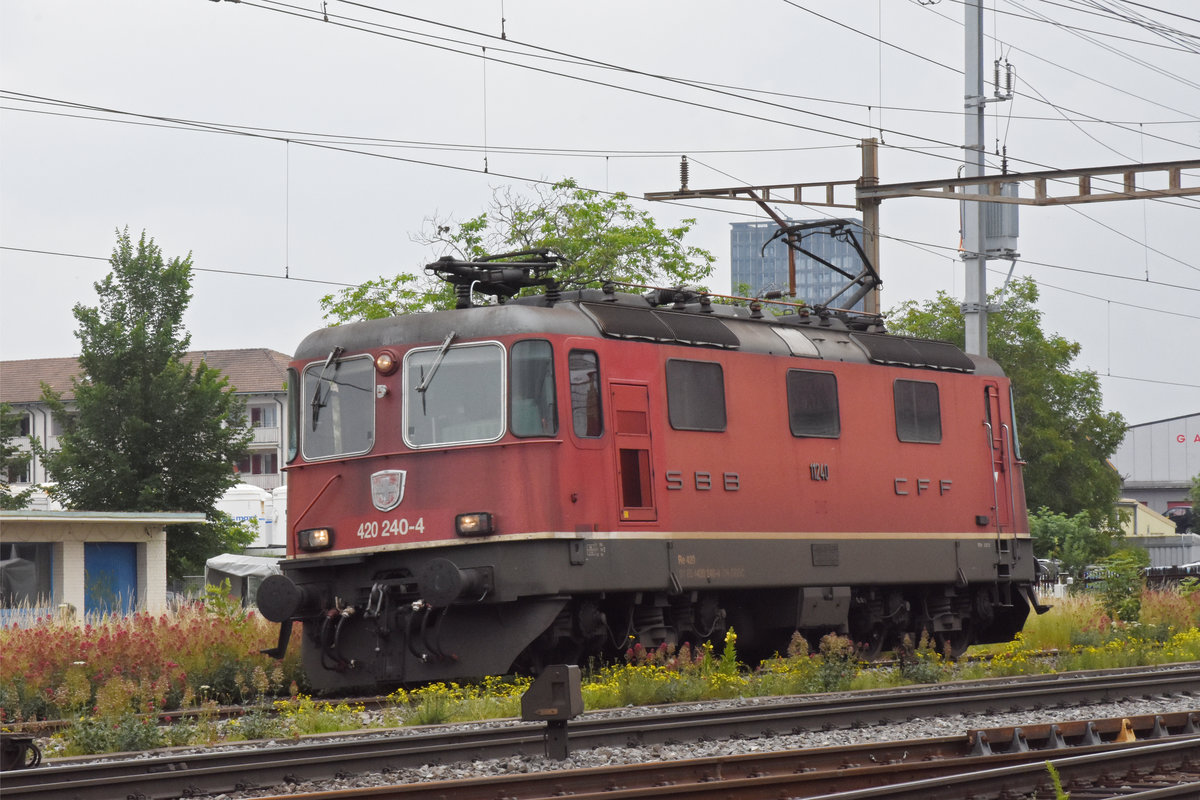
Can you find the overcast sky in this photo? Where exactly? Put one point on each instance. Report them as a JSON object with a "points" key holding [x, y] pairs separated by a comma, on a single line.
{"points": [[290, 155]]}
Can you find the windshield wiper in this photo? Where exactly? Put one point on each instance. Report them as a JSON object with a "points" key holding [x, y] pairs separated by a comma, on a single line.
{"points": [[437, 362], [317, 402]]}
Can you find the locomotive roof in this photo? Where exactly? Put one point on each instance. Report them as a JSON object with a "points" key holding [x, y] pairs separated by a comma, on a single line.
{"points": [[592, 312]]}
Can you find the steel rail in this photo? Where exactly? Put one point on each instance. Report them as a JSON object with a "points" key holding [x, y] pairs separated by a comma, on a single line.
{"points": [[767, 776], [1022, 779], [172, 774]]}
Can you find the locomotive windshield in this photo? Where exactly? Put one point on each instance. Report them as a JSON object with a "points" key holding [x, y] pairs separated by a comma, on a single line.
{"points": [[453, 396], [341, 415]]}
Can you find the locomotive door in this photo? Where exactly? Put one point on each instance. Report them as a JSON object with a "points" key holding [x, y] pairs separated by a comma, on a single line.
{"points": [[1000, 445], [631, 433]]}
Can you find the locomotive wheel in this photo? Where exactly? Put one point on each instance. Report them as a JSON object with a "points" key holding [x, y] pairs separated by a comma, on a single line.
{"points": [[868, 633], [870, 643], [953, 644]]}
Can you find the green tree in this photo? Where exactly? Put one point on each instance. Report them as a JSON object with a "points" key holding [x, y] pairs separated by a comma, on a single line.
{"points": [[13, 458], [148, 431], [189, 546], [1072, 541], [599, 236], [1065, 435]]}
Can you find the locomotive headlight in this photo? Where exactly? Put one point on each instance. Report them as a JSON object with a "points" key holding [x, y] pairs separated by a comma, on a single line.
{"points": [[477, 523], [385, 363], [315, 539]]}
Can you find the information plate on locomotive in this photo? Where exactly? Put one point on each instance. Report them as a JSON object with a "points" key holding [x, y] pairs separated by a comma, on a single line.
{"points": [[398, 526]]}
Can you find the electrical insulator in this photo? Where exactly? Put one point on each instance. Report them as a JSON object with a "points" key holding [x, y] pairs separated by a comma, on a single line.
{"points": [[1007, 92], [683, 173]]}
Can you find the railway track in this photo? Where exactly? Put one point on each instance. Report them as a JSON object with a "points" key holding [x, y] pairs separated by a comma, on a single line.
{"points": [[174, 774], [950, 767]]}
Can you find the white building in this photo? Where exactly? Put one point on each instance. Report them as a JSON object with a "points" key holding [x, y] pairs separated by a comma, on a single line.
{"points": [[258, 376]]}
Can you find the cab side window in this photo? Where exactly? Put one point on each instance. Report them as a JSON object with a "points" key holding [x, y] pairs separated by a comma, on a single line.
{"points": [[586, 418], [532, 402]]}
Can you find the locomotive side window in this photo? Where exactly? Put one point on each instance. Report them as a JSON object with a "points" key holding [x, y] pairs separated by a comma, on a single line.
{"points": [[695, 395], [339, 407], [586, 418], [453, 395], [293, 415], [918, 413], [813, 404], [533, 405]]}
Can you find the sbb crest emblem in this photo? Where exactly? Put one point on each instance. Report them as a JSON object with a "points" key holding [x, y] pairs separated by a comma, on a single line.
{"points": [[387, 488]]}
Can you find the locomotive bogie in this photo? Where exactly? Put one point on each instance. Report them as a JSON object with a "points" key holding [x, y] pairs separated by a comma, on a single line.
{"points": [[506, 485]]}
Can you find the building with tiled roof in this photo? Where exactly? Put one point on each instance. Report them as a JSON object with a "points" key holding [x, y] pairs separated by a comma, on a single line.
{"points": [[257, 374], [21, 381]]}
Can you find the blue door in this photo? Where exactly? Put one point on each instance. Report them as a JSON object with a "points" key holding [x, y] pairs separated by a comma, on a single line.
{"points": [[110, 577]]}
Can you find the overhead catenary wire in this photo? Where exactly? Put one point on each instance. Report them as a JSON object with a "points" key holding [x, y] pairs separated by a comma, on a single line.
{"points": [[277, 6], [436, 164], [305, 14], [1082, 75], [339, 284], [342, 284], [1113, 13], [288, 140], [212, 127], [242, 273], [1141, 62], [1106, 34], [1162, 11], [313, 137], [433, 162]]}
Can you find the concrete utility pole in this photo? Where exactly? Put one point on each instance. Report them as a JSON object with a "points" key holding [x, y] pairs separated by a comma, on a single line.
{"points": [[870, 215], [974, 260]]}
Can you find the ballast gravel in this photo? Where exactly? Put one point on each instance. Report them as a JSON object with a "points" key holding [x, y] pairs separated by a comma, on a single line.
{"points": [[918, 728]]}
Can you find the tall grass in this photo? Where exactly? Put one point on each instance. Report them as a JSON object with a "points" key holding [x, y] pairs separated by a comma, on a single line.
{"points": [[58, 668], [105, 674]]}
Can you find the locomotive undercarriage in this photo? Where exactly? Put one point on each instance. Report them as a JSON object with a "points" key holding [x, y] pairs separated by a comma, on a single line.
{"points": [[396, 618], [879, 619]]}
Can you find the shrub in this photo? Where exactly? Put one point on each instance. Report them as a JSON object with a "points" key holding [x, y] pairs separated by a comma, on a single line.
{"points": [[921, 663], [1121, 590], [837, 666], [126, 732]]}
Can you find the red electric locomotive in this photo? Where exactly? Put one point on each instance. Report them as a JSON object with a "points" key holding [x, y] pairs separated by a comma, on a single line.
{"points": [[498, 487]]}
